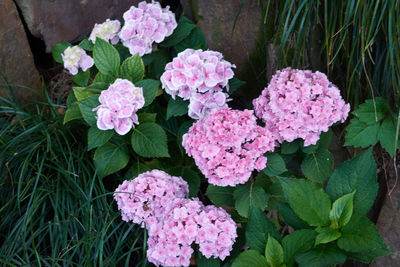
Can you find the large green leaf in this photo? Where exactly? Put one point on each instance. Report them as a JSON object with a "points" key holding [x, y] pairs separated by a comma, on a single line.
{"points": [[149, 140], [82, 93], [326, 235], [82, 77], [308, 200], [132, 68], [235, 84], [185, 26], [274, 252], [290, 217], [86, 44], [359, 175], [366, 111], [73, 112], [221, 196], [57, 50], [367, 256], [290, 148], [258, 229], [195, 40], [150, 89], [297, 242], [247, 195], [97, 137], [250, 258], [136, 169], [86, 106], [360, 134], [321, 256], [387, 136], [341, 211], [106, 57], [110, 158], [318, 166], [202, 261], [177, 107], [191, 177], [275, 164]]}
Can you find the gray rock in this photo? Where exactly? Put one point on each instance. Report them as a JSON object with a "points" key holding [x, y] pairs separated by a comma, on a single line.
{"points": [[57, 21], [16, 59]]}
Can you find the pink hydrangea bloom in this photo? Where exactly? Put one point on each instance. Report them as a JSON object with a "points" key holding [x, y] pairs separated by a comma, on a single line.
{"points": [[118, 106], [185, 222], [300, 104], [107, 31], [74, 58], [146, 24], [228, 145], [199, 76], [143, 200]]}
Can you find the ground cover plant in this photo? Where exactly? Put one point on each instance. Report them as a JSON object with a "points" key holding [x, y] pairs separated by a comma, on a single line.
{"points": [[152, 165]]}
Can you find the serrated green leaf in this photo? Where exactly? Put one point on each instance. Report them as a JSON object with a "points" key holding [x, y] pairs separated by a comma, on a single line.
{"points": [[318, 166], [250, 258], [321, 256], [177, 107], [147, 117], [247, 195], [308, 201], [360, 234], [275, 164], [97, 137], [86, 44], [82, 93], [149, 140], [86, 106], [100, 77], [106, 58], [195, 40], [366, 111], [185, 26], [258, 229], [297, 242], [387, 136], [150, 88], [221, 196], [136, 169], [326, 235], [132, 68], [274, 252], [235, 84], [290, 217], [357, 174], [110, 158], [341, 211], [82, 77], [73, 112], [360, 134], [98, 87], [57, 50]]}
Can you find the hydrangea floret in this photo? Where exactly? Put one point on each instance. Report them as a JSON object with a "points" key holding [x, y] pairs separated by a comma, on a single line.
{"points": [[74, 58], [199, 76], [228, 145], [107, 31], [118, 106], [146, 24], [300, 104]]}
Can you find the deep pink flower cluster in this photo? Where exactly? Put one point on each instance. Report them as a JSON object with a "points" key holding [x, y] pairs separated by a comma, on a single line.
{"points": [[118, 106], [145, 24], [228, 145], [199, 76], [300, 104], [74, 58], [158, 201]]}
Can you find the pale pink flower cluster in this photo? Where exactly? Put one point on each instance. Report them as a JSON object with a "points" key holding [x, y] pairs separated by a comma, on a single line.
{"points": [[143, 199], [145, 24], [300, 104], [189, 221], [74, 58], [228, 145], [199, 76], [158, 202], [108, 31], [118, 106]]}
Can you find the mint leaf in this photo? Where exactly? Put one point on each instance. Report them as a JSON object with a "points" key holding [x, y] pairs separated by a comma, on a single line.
{"points": [[318, 166], [132, 68], [106, 57], [149, 140], [247, 195]]}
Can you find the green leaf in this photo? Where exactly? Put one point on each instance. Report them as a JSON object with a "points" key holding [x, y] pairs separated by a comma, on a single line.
{"points": [[360, 134], [290, 148], [150, 88], [308, 200], [185, 26], [359, 175], [291, 218], [326, 235], [221, 196], [123, 51], [250, 258], [73, 112], [106, 58], [195, 40], [202, 261], [136, 169], [86, 106], [387, 136], [57, 50], [110, 158], [147, 117], [272, 187], [82, 77], [367, 256], [360, 234], [258, 229], [318, 166], [97, 137], [132, 69], [149, 140], [98, 87], [297, 242], [86, 44], [275, 164], [247, 195], [341, 211], [100, 77], [234, 84], [177, 107], [323, 143], [82, 93], [190, 176], [366, 111], [321, 256], [274, 252]]}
